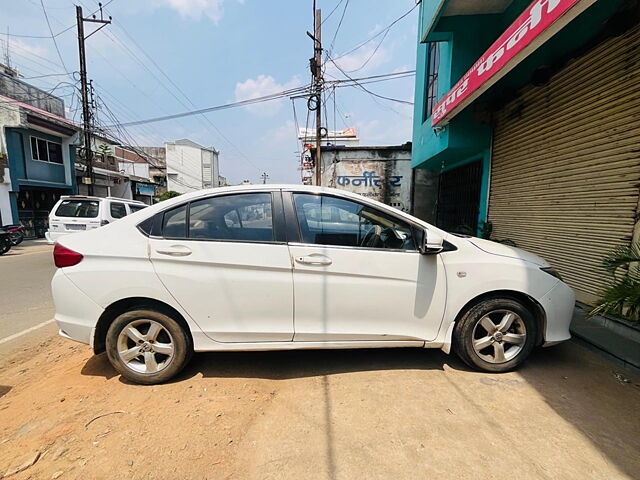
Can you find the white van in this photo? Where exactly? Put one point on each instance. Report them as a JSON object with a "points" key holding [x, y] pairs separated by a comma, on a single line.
{"points": [[76, 213]]}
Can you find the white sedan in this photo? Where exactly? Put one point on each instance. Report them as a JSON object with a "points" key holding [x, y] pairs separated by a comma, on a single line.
{"points": [[294, 267]]}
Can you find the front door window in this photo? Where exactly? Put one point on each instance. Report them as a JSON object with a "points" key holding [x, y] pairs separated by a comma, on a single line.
{"points": [[326, 220]]}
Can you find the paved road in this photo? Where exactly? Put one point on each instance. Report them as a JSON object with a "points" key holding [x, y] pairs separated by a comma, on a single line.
{"points": [[25, 293]]}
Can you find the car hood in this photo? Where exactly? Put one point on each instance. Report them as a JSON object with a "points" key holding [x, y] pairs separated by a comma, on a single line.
{"points": [[503, 250]]}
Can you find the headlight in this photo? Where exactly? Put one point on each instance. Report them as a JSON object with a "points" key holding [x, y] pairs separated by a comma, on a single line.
{"points": [[552, 271]]}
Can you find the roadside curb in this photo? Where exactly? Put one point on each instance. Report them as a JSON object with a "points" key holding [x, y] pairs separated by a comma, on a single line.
{"points": [[615, 339]]}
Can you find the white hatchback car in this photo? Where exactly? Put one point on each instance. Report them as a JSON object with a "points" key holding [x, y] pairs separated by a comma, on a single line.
{"points": [[294, 267]]}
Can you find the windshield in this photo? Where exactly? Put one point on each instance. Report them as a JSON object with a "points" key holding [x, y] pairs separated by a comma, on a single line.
{"points": [[78, 208]]}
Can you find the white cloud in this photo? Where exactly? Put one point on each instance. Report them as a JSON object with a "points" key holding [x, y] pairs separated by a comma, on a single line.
{"points": [[261, 86], [396, 129], [362, 61], [23, 47], [195, 9]]}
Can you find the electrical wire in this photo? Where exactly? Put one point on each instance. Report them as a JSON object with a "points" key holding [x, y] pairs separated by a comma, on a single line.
{"points": [[55, 43], [57, 34], [203, 117], [381, 32], [358, 84], [335, 34], [331, 12], [241, 103]]}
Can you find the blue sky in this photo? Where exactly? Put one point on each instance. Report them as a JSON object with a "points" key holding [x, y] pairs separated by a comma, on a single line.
{"points": [[219, 51]]}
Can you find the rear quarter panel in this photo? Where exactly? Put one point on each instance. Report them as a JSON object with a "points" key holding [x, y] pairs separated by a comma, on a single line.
{"points": [[116, 265]]}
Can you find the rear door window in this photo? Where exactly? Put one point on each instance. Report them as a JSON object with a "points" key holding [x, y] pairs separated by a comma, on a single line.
{"points": [[78, 208], [240, 217], [118, 210], [174, 224]]}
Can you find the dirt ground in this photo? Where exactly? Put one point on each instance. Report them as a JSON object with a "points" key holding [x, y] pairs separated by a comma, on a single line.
{"points": [[359, 414]]}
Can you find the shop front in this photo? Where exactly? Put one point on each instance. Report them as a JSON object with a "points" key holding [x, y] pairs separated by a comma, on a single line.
{"points": [[143, 191], [550, 109]]}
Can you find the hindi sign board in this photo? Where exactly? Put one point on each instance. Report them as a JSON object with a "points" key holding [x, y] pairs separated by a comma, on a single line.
{"points": [[531, 24], [387, 181]]}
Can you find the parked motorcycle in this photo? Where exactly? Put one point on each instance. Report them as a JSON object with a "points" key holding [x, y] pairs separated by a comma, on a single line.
{"points": [[5, 241], [16, 233]]}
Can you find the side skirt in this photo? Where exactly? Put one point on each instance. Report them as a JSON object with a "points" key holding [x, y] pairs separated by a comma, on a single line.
{"points": [[202, 343]]}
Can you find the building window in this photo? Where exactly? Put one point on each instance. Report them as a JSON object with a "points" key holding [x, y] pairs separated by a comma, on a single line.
{"points": [[46, 151], [431, 85]]}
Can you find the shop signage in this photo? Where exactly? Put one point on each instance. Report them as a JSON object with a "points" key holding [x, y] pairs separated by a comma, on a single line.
{"points": [[145, 189], [533, 21]]}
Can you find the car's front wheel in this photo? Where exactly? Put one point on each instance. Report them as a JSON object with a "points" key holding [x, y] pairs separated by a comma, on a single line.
{"points": [[147, 347], [495, 335]]}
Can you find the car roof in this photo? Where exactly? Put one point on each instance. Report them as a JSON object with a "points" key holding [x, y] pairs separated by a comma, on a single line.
{"points": [[187, 197], [89, 197]]}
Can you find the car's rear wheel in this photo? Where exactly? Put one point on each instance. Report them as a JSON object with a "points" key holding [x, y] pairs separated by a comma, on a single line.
{"points": [[495, 335], [147, 347]]}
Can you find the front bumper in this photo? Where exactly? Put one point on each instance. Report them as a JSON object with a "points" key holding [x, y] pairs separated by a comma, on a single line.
{"points": [[76, 314], [558, 303]]}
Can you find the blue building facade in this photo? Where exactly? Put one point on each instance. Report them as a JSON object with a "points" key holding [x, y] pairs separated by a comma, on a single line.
{"points": [[39, 164]]}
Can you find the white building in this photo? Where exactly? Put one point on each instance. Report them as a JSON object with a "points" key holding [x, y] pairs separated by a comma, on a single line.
{"points": [[191, 166], [344, 138]]}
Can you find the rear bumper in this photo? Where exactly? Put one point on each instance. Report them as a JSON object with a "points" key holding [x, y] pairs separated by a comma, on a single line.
{"points": [[76, 314], [52, 237], [558, 303]]}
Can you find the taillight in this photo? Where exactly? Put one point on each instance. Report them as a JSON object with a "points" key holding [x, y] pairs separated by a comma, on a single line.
{"points": [[64, 257]]}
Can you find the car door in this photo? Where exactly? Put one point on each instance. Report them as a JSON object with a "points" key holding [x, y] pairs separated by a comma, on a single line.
{"points": [[358, 275], [225, 260]]}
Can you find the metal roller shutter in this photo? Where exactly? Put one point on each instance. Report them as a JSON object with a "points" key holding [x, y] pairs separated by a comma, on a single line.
{"points": [[565, 167]]}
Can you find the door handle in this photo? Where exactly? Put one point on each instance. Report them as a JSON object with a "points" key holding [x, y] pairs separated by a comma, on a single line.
{"points": [[175, 251], [314, 260]]}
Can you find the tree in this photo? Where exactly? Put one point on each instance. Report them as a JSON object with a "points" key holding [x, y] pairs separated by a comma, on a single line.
{"points": [[168, 194], [622, 295]]}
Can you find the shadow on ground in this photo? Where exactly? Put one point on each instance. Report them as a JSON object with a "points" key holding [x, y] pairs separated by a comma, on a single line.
{"points": [[284, 365], [597, 398]]}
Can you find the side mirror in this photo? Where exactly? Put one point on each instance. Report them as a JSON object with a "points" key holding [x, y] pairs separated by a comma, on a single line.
{"points": [[429, 243]]}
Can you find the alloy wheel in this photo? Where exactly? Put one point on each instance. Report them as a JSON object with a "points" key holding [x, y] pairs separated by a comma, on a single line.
{"points": [[145, 346], [499, 336]]}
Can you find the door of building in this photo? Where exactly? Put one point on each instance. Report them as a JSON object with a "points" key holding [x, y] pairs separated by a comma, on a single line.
{"points": [[459, 198], [34, 205]]}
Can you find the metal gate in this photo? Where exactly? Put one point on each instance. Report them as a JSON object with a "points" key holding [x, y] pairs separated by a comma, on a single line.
{"points": [[34, 205], [565, 172], [459, 198]]}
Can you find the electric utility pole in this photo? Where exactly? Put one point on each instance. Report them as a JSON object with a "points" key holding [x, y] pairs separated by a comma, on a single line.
{"points": [[86, 108], [264, 177], [318, 83]]}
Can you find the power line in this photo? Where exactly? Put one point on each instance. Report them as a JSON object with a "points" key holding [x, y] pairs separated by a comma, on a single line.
{"points": [[375, 50], [358, 84], [381, 32], [335, 34], [241, 103], [16, 35], [177, 87], [331, 12], [44, 10]]}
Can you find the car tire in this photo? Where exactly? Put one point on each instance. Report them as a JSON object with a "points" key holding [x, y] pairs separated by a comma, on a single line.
{"points": [[148, 347], [495, 335]]}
